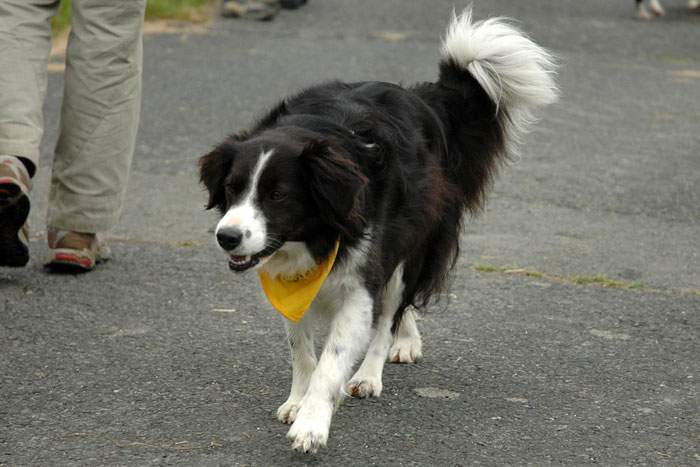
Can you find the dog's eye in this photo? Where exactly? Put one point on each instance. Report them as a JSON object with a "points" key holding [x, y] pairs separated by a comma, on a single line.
{"points": [[276, 195]]}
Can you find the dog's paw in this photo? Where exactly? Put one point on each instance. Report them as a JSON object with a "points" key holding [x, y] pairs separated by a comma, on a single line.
{"points": [[406, 349], [287, 412], [309, 432], [364, 386], [308, 436]]}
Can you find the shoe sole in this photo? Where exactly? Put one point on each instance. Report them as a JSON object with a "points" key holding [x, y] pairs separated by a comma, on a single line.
{"points": [[292, 4], [70, 261], [66, 260], [14, 209]]}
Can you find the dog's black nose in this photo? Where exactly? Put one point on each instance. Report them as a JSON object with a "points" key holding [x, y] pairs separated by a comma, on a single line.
{"points": [[229, 237]]}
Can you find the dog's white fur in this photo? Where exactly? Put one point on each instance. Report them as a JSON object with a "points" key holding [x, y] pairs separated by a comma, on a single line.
{"points": [[292, 259], [247, 215], [367, 381], [516, 73], [317, 387]]}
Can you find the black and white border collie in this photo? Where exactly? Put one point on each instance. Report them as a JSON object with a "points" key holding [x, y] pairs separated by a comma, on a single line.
{"points": [[387, 171]]}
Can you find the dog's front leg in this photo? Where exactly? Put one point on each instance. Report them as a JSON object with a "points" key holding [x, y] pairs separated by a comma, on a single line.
{"points": [[347, 339], [301, 345]]}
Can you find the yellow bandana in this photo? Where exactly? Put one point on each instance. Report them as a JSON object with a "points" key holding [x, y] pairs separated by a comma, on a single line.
{"points": [[292, 297]]}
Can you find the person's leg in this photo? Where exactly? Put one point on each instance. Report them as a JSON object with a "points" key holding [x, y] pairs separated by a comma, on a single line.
{"points": [[25, 44], [99, 116]]}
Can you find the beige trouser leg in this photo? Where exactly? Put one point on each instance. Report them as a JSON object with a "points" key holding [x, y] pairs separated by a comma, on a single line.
{"points": [[99, 116], [25, 43]]}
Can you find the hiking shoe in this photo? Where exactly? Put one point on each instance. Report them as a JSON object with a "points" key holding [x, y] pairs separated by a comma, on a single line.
{"points": [[643, 13], [292, 4], [15, 185], [656, 8], [75, 251], [258, 10]]}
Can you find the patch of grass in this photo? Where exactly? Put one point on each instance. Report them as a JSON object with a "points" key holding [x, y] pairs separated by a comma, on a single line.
{"points": [[185, 10], [600, 280], [507, 270], [675, 59], [62, 19], [488, 268], [188, 10], [525, 272], [187, 244]]}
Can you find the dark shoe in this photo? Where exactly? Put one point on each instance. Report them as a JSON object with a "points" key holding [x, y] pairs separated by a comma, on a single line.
{"points": [[15, 185], [292, 4], [257, 10], [75, 251]]}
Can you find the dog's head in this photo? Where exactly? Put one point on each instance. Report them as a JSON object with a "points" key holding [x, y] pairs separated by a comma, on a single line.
{"points": [[283, 185]]}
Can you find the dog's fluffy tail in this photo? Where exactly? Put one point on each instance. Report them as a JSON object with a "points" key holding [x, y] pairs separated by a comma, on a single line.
{"points": [[492, 78], [516, 73]]}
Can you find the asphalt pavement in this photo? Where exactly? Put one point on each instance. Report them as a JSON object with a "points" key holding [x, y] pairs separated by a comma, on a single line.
{"points": [[570, 331]]}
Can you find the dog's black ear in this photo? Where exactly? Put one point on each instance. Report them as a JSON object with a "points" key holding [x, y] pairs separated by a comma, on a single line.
{"points": [[213, 169], [337, 187]]}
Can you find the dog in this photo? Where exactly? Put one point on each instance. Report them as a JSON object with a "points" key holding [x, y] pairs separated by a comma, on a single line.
{"points": [[348, 200]]}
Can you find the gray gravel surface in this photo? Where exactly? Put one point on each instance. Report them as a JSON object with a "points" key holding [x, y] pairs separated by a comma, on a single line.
{"points": [[163, 356]]}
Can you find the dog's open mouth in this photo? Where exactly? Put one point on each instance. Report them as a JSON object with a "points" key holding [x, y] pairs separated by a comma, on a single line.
{"points": [[242, 263]]}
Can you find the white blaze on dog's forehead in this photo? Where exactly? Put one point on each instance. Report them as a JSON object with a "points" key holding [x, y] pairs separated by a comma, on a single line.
{"points": [[245, 209], [246, 215], [259, 166]]}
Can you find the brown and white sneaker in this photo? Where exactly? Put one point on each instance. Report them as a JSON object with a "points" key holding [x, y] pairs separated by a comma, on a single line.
{"points": [[656, 8], [257, 10], [643, 13], [15, 185], [71, 251]]}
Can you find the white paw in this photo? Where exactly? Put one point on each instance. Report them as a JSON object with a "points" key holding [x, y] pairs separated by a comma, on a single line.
{"points": [[309, 434], [364, 386], [287, 412], [406, 350]]}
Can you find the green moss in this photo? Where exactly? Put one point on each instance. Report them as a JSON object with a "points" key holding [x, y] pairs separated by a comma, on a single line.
{"points": [[601, 280], [507, 270], [488, 268], [187, 244], [62, 18], [531, 273], [174, 9]]}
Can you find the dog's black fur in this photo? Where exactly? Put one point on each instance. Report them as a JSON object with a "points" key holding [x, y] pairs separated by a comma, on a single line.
{"points": [[405, 161], [388, 171]]}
